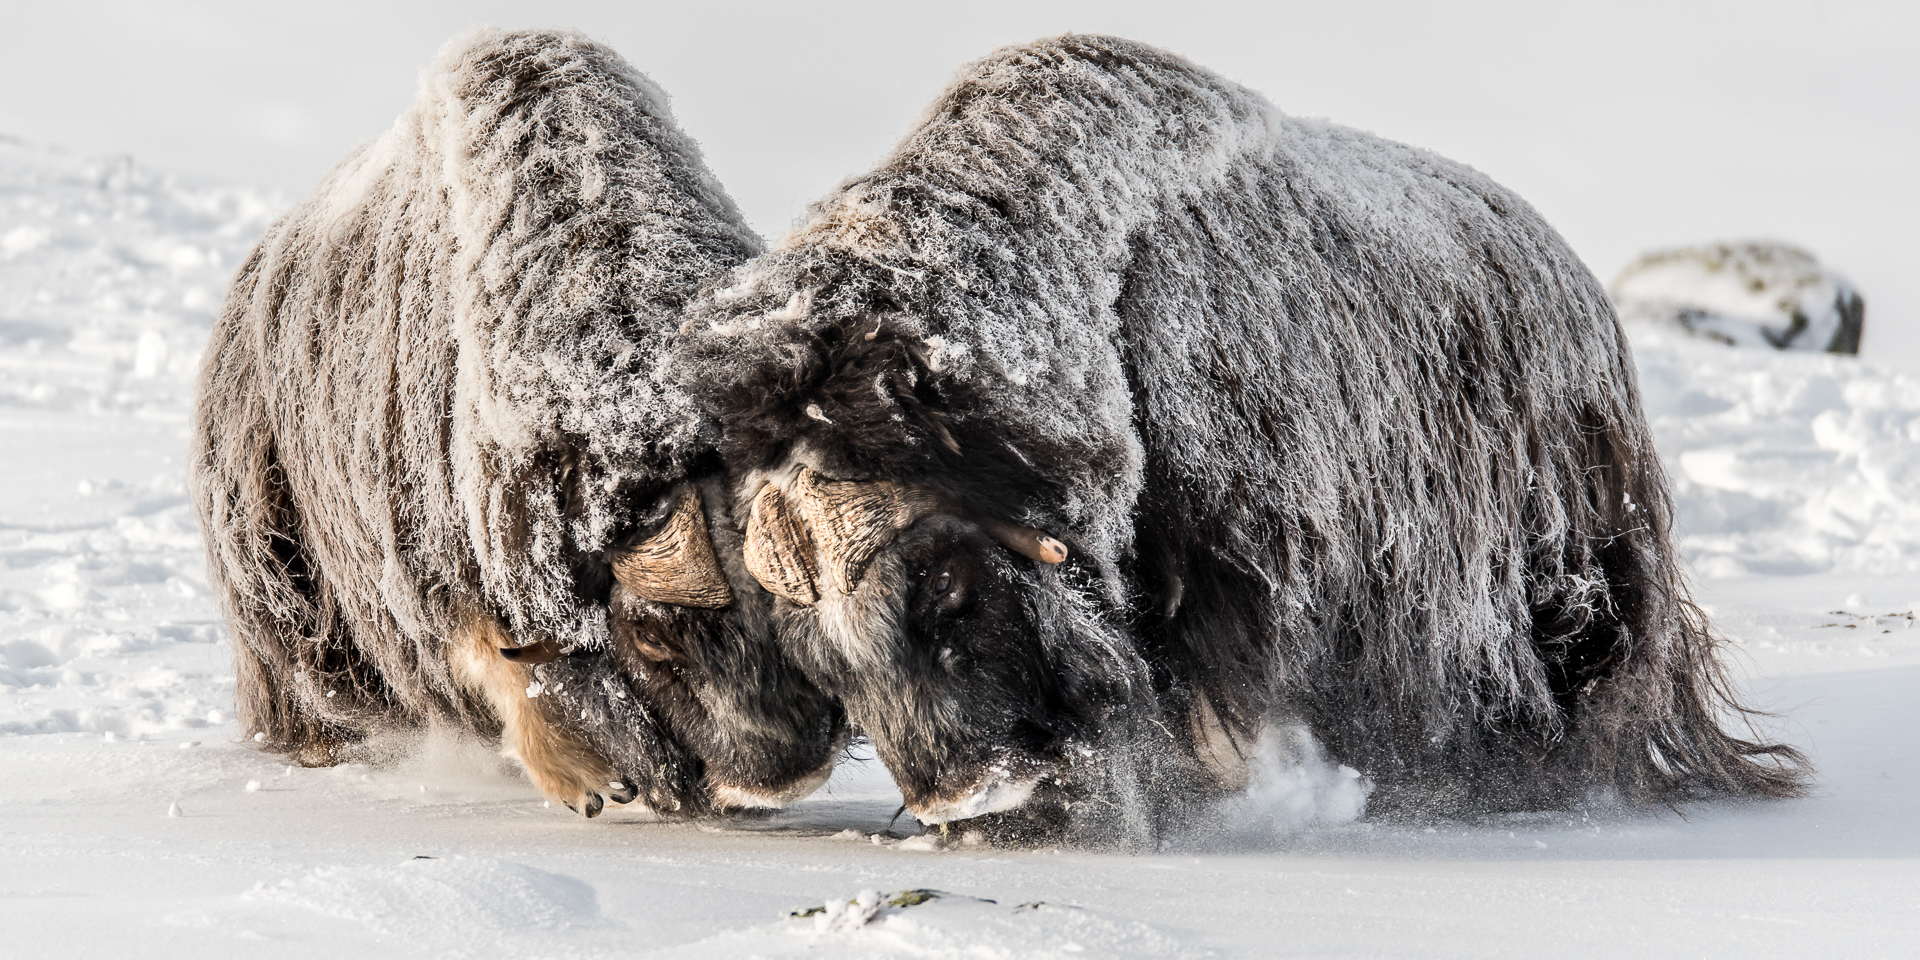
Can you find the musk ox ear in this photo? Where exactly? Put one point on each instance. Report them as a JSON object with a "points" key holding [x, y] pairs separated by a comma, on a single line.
{"points": [[676, 565]]}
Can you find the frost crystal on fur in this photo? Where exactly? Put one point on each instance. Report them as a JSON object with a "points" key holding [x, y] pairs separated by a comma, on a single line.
{"points": [[434, 396], [1342, 431]]}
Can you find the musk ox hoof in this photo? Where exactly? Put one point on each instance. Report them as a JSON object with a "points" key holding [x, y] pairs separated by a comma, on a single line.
{"points": [[570, 772], [585, 795], [590, 807], [325, 751]]}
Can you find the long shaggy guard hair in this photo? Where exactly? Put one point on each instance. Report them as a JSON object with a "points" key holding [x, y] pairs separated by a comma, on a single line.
{"points": [[1339, 431], [431, 425]]}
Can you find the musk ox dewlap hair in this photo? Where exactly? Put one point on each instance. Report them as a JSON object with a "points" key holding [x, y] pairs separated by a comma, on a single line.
{"points": [[440, 476], [1330, 430]]}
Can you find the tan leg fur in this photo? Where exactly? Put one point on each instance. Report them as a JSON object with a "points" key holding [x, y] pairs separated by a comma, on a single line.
{"points": [[563, 767]]}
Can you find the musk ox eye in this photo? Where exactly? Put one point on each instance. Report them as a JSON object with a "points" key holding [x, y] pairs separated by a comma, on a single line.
{"points": [[656, 652], [948, 589]]}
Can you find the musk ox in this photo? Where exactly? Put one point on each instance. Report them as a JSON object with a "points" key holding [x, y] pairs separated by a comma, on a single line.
{"points": [[440, 476], [1116, 416]]}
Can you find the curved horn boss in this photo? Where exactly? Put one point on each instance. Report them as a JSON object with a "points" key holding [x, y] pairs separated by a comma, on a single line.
{"points": [[676, 565], [816, 525]]}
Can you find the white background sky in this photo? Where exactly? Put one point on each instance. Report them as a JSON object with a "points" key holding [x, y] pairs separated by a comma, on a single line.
{"points": [[1630, 125]]}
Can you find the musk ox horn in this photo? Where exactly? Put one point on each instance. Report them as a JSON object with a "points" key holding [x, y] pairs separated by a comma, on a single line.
{"points": [[546, 651], [778, 551], [849, 521], [1026, 541], [677, 565], [852, 520]]}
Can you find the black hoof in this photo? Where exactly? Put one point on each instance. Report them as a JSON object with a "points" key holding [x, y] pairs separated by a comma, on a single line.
{"points": [[624, 794], [594, 803]]}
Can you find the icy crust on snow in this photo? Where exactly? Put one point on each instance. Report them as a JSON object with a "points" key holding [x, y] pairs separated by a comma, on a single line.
{"points": [[1785, 465], [442, 900], [106, 627]]}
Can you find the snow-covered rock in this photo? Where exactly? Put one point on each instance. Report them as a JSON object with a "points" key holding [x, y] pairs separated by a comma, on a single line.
{"points": [[1751, 293]]}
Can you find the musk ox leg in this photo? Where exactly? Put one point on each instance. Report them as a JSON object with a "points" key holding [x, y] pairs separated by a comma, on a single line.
{"points": [[562, 765], [272, 709], [285, 629]]}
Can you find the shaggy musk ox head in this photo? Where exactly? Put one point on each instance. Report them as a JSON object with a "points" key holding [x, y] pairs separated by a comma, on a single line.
{"points": [[916, 582], [691, 702]]}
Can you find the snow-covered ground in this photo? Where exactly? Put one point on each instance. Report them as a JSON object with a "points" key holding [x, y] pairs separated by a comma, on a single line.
{"points": [[132, 822]]}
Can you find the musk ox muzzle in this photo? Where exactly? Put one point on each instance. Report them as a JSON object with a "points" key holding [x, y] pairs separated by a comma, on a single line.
{"points": [[920, 617], [689, 634]]}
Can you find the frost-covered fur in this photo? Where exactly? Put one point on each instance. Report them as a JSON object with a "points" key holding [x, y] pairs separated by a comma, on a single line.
{"points": [[431, 409], [1342, 432]]}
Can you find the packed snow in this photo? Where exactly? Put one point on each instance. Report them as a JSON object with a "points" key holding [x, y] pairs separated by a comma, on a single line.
{"points": [[133, 820]]}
